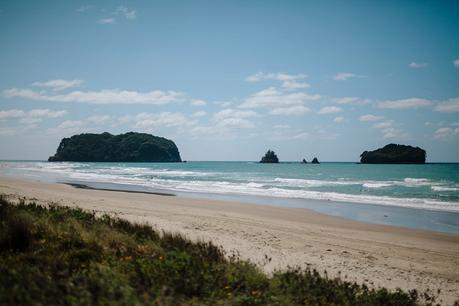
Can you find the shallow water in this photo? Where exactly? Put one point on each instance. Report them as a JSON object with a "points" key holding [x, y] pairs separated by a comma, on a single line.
{"points": [[375, 188]]}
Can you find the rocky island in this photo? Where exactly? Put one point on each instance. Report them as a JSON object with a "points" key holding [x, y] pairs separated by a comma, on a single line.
{"points": [[270, 158], [105, 147], [394, 154], [315, 161]]}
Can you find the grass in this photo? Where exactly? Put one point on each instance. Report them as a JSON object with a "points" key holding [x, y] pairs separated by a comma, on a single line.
{"points": [[58, 255]]}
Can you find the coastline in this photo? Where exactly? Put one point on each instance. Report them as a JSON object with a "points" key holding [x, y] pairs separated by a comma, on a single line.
{"points": [[378, 255]]}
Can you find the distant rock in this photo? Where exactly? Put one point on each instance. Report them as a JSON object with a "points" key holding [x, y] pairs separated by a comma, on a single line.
{"points": [[105, 147], [270, 157], [304, 161], [394, 154], [315, 161]]}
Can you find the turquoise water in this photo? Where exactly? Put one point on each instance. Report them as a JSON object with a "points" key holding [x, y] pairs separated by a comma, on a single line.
{"points": [[430, 186], [430, 190]]}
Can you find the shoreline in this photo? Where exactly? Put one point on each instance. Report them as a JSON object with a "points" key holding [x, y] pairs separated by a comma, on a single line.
{"points": [[378, 255]]}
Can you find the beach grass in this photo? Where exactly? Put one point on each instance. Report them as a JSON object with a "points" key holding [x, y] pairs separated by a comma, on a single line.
{"points": [[56, 255]]}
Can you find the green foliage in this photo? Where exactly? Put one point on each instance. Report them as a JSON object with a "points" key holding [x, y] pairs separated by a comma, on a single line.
{"points": [[105, 147], [394, 154], [270, 157], [58, 255]]}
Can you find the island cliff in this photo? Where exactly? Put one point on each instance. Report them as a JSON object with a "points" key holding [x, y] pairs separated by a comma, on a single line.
{"points": [[105, 147], [394, 154]]}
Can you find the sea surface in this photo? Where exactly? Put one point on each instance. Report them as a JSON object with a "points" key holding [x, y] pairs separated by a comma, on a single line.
{"points": [[419, 196]]}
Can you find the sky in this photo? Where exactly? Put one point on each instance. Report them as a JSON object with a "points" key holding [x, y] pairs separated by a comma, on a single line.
{"points": [[228, 80]]}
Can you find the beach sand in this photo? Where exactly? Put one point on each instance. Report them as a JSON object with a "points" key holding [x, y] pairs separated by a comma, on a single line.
{"points": [[275, 237]]}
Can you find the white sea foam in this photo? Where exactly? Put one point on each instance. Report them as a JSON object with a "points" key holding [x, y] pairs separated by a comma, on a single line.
{"points": [[443, 188], [376, 185], [257, 184]]}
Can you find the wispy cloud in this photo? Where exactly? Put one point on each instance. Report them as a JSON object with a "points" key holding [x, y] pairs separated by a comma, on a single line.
{"points": [[274, 98], [109, 20], [288, 81], [351, 100], [390, 129], [416, 65], [119, 12], [405, 103], [448, 106], [34, 113], [446, 132], [125, 12], [329, 110], [370, 118], [106, 96], [344, 76], [456, 63], [289, 111], [339, 119], [234, 118], [59, 84], [197, 102]]}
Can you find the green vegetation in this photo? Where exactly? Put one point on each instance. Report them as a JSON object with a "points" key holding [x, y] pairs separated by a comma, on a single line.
{"points": [[270, 157], [394, 154], [105, 147], [66, 256]]}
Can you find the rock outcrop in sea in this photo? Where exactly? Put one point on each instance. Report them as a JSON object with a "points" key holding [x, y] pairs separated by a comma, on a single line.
{"points": [[105, 147], [394, 154], [315, 161], [270, 157]]}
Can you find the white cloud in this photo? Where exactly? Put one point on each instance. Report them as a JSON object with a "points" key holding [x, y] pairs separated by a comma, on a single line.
{"points": [[351, 100], [12, 113], [405, 103], [329, 110], [370, 118], [199, 114], [384, 124], [389, 129], [68, 127], [344, 76], [416, 65], [196, 102], [289, 81], [106, 96], [338, 119], [34, 113], [127, 13], [234, 118], [163, 119], [99, 119], [281, 126], [109, 20], [47, 113], [59, 84], [30, 120], [446, 132], [273, 98], [292, 110], [448, 106], [456, 63]]}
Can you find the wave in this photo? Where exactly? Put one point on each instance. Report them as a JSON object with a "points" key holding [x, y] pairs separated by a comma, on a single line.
{"points": [[442, 188], [256, 184]]}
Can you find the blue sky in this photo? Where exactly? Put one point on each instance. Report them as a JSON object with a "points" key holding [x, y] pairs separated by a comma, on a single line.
{"points": [[227, 80]]}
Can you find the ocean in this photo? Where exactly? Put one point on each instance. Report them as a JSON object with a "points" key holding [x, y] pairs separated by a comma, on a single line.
{"points": [[419, 196]]}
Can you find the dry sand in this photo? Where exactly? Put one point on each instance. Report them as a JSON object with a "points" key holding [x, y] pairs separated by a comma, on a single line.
{"points": [[378, 255]]}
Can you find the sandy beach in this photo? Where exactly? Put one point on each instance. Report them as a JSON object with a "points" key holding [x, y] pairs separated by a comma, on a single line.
{"points": [[275, 238]]}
